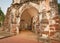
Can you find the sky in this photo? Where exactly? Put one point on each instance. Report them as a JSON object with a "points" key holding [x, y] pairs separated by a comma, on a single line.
{"points": [[58, 1], [4, 4]]}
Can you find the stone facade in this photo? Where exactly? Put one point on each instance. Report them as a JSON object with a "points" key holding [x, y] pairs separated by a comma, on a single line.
{"points": [[46, 19]]}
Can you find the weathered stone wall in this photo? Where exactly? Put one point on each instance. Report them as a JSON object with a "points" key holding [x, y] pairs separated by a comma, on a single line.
{"points": [[47, 12], [6, 26]]}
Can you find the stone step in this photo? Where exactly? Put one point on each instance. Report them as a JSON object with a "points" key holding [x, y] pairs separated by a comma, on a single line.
{"points": [[4, 34]]}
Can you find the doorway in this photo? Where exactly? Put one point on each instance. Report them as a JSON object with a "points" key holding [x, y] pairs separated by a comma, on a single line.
{"points": [[25, 23], [26, 19]]}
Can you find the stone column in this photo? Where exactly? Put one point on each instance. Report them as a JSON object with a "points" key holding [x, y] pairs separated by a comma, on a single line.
{"points": [[17, 21], [6, 25], [49, 20], [54, 17]]}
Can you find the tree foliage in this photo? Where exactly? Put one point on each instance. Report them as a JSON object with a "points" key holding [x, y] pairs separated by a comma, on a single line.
{"points": [[1, 15], [59, 7]]}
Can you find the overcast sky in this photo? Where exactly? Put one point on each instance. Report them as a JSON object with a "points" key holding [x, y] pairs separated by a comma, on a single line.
{"points": [[4, 4]]}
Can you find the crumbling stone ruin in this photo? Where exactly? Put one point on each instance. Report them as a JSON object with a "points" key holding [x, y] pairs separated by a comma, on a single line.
{"points": [[44, 14]]}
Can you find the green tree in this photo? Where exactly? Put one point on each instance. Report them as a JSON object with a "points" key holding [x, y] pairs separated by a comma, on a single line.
{"points": [[1, 17], [59, 7]]}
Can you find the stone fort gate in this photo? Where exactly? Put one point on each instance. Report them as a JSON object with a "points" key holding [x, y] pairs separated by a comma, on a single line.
{"points": [[43, 16]]}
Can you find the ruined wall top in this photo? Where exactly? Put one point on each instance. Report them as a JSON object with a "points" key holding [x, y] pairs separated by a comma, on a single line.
{"points": [[16, 1], [24, 1]]}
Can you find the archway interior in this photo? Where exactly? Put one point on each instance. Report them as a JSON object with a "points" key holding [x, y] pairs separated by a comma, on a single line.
{"points": [[27, 18]]}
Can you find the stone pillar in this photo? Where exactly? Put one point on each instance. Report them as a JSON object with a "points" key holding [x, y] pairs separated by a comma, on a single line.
{"points": [[49, 21], [48, 16], [54, 18], [15, 19], [6, 25]]}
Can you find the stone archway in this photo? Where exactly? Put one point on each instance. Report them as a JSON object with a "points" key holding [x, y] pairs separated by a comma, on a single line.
{"points": [[27, 17], [25, 21], [49, 7]]}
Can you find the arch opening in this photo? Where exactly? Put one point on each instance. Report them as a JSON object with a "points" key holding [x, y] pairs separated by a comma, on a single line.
{"points": [[26, 19]]}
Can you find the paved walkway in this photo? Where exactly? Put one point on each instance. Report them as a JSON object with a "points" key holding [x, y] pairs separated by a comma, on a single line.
{"points": [[23, 37]]}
